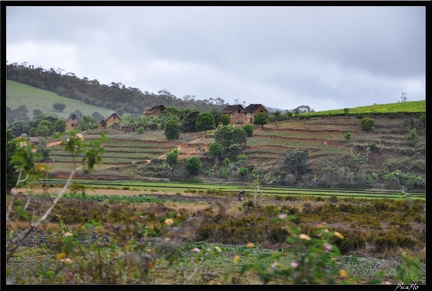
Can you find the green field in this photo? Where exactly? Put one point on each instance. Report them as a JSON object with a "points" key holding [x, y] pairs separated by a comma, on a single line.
{"points": [[263, 190], [18, 94]]}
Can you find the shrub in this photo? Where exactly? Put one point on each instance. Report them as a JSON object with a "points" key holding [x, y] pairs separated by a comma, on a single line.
{"points": [[225, 119], [243, 171], [367, 123], [248, 129], [216, 150], [193, 165], [172, 130]]}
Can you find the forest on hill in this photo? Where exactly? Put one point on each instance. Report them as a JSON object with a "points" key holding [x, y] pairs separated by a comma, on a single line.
{"points": [[115, 96]]}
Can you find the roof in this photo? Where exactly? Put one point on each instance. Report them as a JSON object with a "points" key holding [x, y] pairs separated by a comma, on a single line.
{"points": [[114, 114], [151, 110], [34, 140], [73, 116], [252, 108], [231, 108]]}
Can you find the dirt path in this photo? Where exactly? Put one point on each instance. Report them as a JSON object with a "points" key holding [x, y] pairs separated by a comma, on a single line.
{"points": [[54, 143]]}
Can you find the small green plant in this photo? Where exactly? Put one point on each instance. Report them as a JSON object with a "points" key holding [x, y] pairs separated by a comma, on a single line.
{"points": [[248, 129], [243, 171], [409, 272], [367, 123], [412, 135], [347, 136]]}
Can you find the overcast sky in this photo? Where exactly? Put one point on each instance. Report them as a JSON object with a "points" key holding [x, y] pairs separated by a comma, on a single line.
{"points": [[326, 57]]}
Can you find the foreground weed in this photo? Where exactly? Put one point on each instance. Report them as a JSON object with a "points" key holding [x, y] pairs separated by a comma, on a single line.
{"points": [[308, 260]]}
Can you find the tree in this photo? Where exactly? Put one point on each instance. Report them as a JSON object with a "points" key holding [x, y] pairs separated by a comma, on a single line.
{"points": [[234, 150], [87, 122], [248, 129], [18, 114], [227, 135], [216, 150], [189, 122], [296, 162], [172, 158], [19, 128], [11, 173], [243, 171], [172, 130], [193, 165], [59, 106], [404, 97], [44, 151], [205, 121], [60, 126], [42, 130], [36, 112], [217, 116], [225, 172], [303, 109], [98, 116], [260, 119], [225, 119], [48, 124]]}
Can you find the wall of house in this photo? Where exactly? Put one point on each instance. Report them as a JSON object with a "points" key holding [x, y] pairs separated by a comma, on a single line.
{"points": [[236, 117], [113, 119], [102, 125], [157, 113], [248, 118], [260, 109], [71, 123]]}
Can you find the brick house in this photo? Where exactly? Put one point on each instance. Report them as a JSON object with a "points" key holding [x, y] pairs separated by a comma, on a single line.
{"points": [[72, 121], [154, 111], [251, 110], [102, 124], [113, 118], [236, 113]]}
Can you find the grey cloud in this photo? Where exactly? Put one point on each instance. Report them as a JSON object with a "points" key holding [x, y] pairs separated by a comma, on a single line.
{"points": [[325, 55]]}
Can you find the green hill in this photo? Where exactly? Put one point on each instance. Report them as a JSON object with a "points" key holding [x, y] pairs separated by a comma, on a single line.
{"points": [[18, 94], [399, 107]]}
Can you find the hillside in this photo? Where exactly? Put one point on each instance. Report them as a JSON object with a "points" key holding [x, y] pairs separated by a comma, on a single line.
{"points": [[381, 158], [18, 94]]}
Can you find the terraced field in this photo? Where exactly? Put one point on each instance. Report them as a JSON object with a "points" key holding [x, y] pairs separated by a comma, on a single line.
{"points": [[134, 156]]}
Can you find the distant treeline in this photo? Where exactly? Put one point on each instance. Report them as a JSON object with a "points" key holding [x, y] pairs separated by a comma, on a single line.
{"points": [[115, 96]]}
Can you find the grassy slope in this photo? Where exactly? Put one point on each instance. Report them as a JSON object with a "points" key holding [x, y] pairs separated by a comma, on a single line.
{"points": [[33, 98], [408, 106]]}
